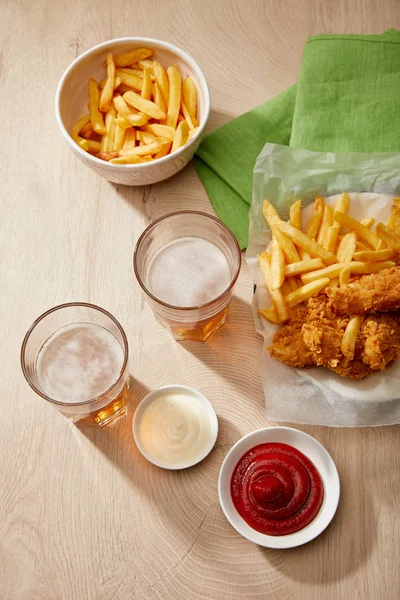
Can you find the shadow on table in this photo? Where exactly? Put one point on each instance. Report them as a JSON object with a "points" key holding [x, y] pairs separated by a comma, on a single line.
{"points": [[234, 350]]}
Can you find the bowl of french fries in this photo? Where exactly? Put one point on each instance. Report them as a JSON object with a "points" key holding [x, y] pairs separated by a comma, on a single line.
{"points": [[133, 109]]}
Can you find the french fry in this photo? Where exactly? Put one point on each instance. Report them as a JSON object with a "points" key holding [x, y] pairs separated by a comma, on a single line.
{"points": [[186, 114], [331, 272], [277, 265], [161, 78], [158, 97], [394, 219], [276, 295], [107, 155], [103, 82], [367, 222], [270, 315], [129, 160], [130, 138], [108, 89], [303, 266], [388, 236], [147, 85], [145, 63], [87, 131], [347, 247], [316, 218], [375, 255], [77, 128], [362, 246], [332, 234], [272, 218], [145, 137], [133, 56], [94, 147], [306, 291], [295, 214], [303, 241], [293, 284], [181, 135], [142, 150], [348, 344], [132, 81], [146, 106], [135, 119], [363, 268], [130, 71], [107, 142], [160, 131], [96, 117], [164, 150], [119, 138], [327, 221], [363, 232], [381, 245], [342, 205], [175, 91], [189, 94], [192, 132]]}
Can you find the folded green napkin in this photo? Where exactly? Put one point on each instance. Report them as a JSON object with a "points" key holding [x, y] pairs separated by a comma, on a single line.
{"points": [[346, 100]]}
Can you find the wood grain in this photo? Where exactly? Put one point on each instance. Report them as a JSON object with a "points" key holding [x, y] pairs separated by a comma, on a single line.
{"points": [[83, 515]]}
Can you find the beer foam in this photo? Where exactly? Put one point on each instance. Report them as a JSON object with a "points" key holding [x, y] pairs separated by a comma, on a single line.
{"points": [[188, 271], [79, 362]]}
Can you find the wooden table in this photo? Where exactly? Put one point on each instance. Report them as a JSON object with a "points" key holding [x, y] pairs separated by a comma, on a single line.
{"points": [[83, 515]]}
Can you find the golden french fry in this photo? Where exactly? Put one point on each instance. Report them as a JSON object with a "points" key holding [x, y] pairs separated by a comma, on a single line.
{"points": [[129, 160], [316, 218], [133, 81], [107, 92], [107, 143], [381, 245], [362, 246], [342, 205], [133, 56], [130, 138], [146, 106], [147, 85], [145, 63], [303, 266], [363, 268], [189, 94], [276, 295], [348, 344], [309, 245], [160, 131], [186, 115], [347, 247], [158, 97], [375, 255], [87, 131], [287, 246], [293, 284], [394, 219], [77, 128], [388, 236], [277, 265], [303, 254], [192, 133], [332, 234], [94, 147], [332, 271], [135, 119], [119, 138], [327, 221], [96, 117], [130, 71], [103, 82], [174, 103], [295, 214], [270, 315], [106, 155], [142, 150], [367, 222], [145, 137], [306, 291], [161, 78], [363, 232], [164, 150], [122, 88], [181, 135], [123, 122]]}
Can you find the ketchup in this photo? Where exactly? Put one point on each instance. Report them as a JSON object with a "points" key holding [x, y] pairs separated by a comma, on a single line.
{"points": [[276, 489]]}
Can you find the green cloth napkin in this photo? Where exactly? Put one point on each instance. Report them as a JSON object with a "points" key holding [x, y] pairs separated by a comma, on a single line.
{"points": [[347, 99]]}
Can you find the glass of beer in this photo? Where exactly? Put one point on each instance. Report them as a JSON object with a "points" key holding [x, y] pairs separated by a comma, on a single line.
{"points": [[187, 263], [75, 356]]}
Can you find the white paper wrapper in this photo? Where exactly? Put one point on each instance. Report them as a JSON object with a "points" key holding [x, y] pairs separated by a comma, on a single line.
{"points": [[320, 396]]}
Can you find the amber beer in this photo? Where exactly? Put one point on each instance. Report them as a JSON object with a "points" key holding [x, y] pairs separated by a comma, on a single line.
{"points": [[187, 263], [81, 365]]}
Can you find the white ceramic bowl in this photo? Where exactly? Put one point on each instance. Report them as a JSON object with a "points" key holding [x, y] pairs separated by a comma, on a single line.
{"points": [[161, 392], [72, 98], [315, 452]]}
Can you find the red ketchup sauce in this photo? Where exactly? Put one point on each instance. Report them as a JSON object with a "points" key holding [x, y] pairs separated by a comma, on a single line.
{"points": [[276, 489]]}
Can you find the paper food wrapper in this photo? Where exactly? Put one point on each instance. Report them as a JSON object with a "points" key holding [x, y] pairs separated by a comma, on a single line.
{"points": [[319, 396]]}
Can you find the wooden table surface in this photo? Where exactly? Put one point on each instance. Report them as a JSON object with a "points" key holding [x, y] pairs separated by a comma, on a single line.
{"points": [[83, 515]]}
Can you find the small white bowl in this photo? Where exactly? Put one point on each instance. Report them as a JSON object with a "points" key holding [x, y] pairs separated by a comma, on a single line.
{"points": [[320, 458], [161, 392], [72, 98]]}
